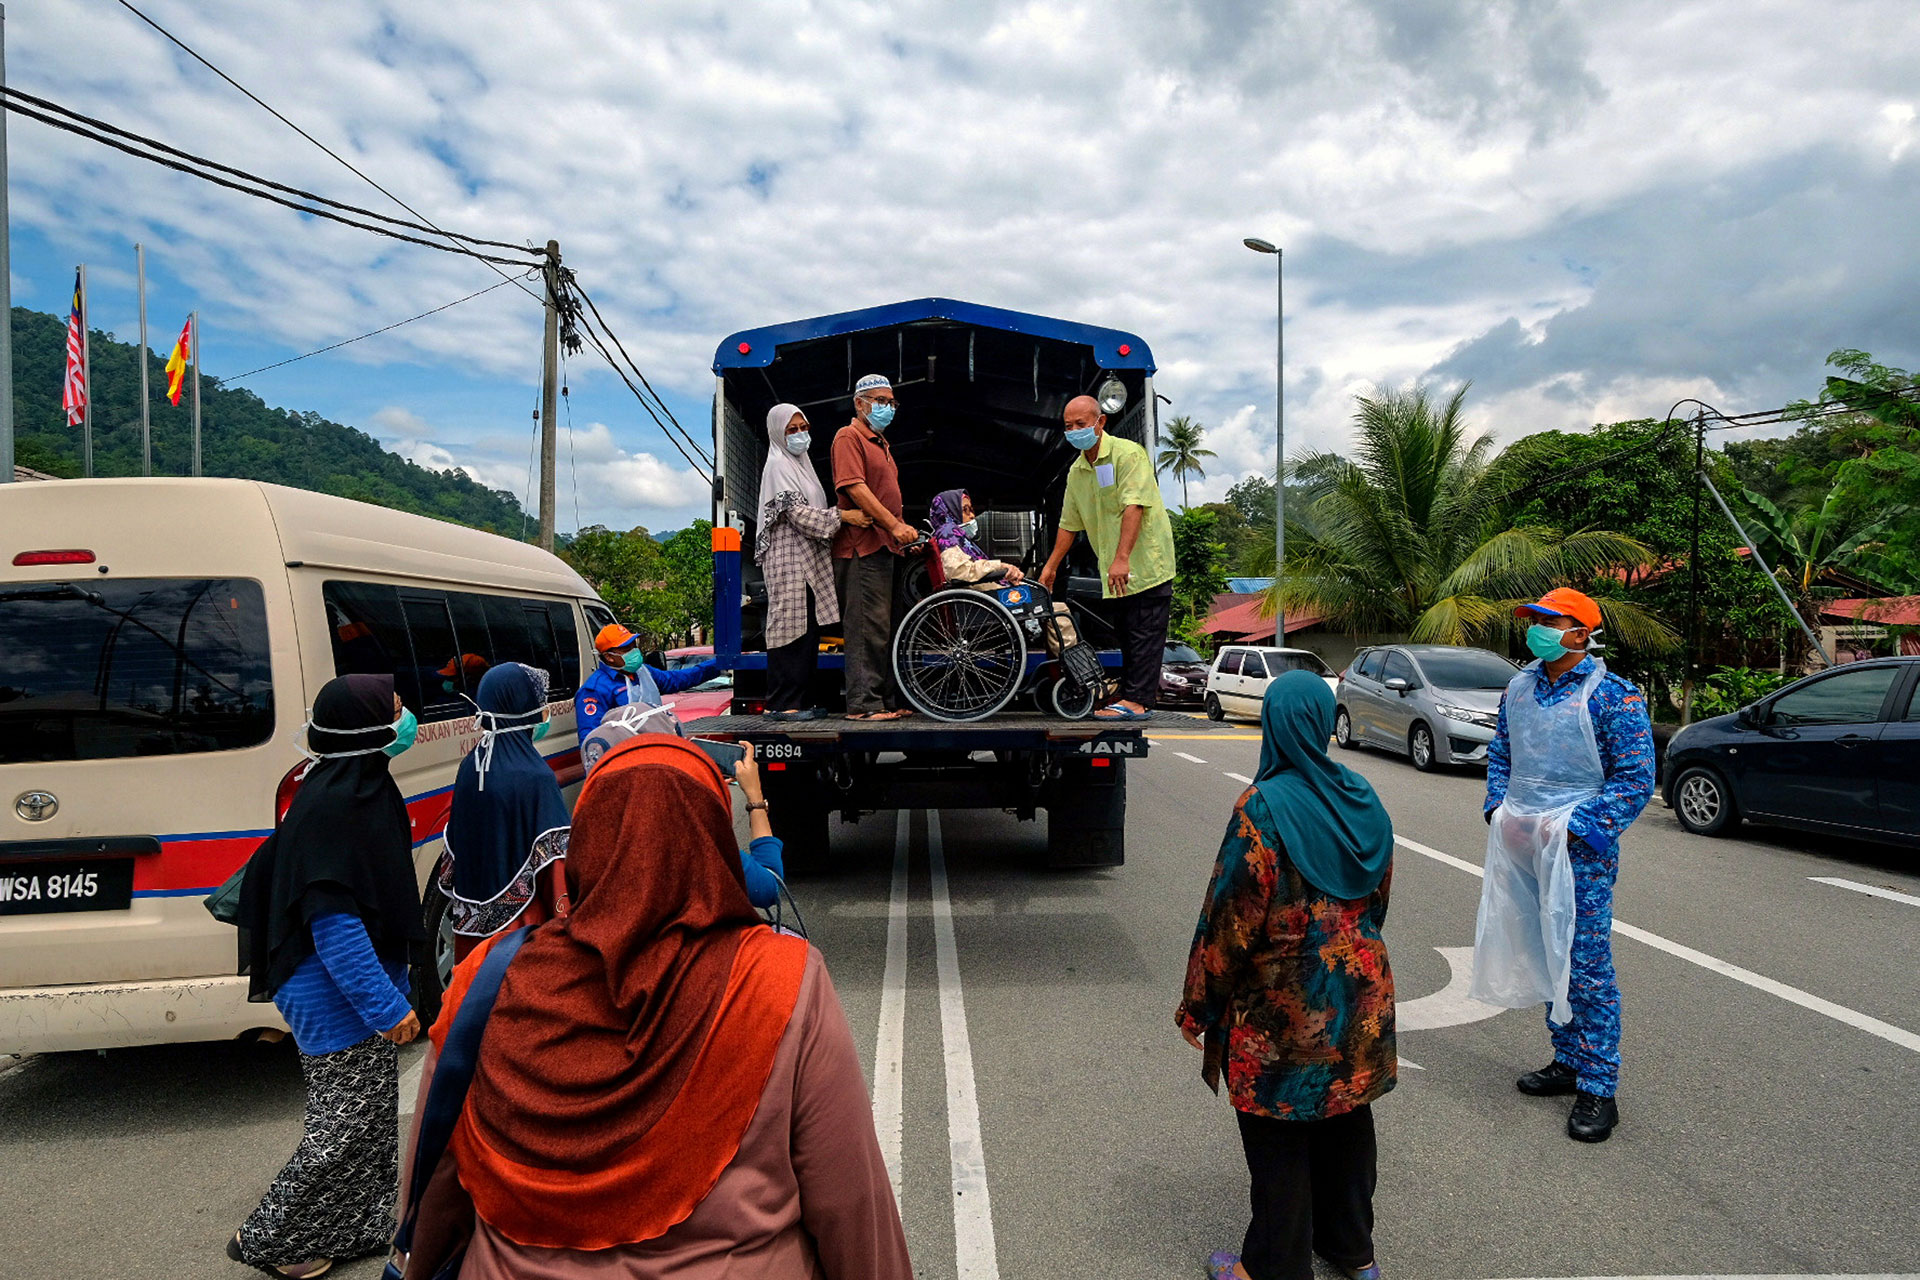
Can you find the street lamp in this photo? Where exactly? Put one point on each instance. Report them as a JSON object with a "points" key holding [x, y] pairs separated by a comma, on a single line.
{"points": [[1279, 432]]}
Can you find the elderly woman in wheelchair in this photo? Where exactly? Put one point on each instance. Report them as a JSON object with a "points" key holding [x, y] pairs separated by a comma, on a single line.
{"points": [[962, 652]]}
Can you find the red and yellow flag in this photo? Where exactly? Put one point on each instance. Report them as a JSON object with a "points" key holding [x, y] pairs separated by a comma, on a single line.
{"points": [[177, 362]]}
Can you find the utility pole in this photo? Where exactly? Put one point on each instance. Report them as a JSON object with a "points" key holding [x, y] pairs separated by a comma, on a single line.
{"points": [[6, 287], [86, 372], [1693, 572], [549, 395], [194, 356], [146, 419]]}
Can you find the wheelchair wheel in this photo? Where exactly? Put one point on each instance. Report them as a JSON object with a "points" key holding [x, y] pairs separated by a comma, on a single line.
{"points": [[1072, 701], [959, 655]]}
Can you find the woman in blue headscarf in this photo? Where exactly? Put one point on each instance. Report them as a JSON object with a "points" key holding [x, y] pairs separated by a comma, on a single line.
{"points": [[509, 821], [1289, 990]]}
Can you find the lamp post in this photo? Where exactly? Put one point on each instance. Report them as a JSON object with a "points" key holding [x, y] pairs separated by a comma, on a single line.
{"points": [[1279, 431]]}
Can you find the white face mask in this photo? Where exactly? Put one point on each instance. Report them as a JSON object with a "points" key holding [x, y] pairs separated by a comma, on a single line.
{"points": [[971, 527], [797, 442]]}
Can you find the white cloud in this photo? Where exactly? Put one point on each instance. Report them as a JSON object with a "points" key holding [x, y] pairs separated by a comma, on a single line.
{"points": [[1442, 173]]}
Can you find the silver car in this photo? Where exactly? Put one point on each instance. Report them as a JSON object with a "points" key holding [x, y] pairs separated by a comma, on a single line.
{"points": [[1435, 703]]}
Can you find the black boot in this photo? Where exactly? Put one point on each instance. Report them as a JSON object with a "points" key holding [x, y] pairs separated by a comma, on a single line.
{"points": [[1593, 1118], [1549, 1081]]}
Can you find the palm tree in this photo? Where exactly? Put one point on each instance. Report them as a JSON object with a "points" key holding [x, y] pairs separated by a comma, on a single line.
{"points": [[1412, 537], [1840, 533], [1181, 453]]}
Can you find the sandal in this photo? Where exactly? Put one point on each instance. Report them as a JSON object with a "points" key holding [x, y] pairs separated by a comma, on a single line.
{"points": [[1220, 1265], [293, 1270], [1118, 712]]}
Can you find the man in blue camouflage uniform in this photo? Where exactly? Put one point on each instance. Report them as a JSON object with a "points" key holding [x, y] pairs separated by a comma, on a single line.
{"points": [[1586, 1049]]}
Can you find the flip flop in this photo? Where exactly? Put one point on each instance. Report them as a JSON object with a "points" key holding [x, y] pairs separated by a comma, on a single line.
{"points": [[1220, 1264], [1118, 712]]}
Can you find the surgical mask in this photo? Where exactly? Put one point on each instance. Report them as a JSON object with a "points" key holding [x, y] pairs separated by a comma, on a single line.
{"points": [[797, 442], [971, 527], [880, 416], [405, 730], [540, 730], [633, 661], [1545, 642], [1083, 438]]}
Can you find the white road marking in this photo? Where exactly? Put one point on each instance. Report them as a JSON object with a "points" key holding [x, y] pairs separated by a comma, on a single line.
{"points": [[1871, 889], [973, 1247], [1758, 981], [890, 1044], [1411, 1064], [1240, 778], [1184, 756], [1450, 1006]]}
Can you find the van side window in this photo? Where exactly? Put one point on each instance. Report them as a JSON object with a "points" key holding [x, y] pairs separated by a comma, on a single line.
{"points": [[1230, 662], [437, 655], [556, 645], [369, 634]]}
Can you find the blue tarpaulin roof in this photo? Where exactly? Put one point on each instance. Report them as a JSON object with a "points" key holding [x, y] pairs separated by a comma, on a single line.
{"points": [[756, 348]]}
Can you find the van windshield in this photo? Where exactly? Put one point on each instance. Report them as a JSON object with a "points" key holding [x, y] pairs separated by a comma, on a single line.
{"points": [[103, 670]]}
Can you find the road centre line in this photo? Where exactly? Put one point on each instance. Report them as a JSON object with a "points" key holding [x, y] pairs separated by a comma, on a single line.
{"points": [[1184, 756], [1873, 890], [974, 1254], [1758, 981], [890, 1043]]}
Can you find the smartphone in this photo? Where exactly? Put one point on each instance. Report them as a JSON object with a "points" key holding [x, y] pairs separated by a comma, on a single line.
{"points": [[727, 755]]}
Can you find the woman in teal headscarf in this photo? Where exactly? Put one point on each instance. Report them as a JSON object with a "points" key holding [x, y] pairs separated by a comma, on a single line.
{"points": [[1289, 991]]}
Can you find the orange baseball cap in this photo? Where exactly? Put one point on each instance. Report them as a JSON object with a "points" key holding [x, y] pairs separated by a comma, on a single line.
{"points": [[612, 636], [1563, 602]]}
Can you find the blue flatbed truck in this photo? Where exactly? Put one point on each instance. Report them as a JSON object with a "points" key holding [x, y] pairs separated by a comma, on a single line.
{"points": [[981, 392]]}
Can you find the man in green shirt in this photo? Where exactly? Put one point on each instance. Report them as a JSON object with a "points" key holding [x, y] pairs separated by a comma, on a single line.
{"points": [[1113, 497]]}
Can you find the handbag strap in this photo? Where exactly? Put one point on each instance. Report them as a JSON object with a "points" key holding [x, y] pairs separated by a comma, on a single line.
{"points": [[452, 1074]]}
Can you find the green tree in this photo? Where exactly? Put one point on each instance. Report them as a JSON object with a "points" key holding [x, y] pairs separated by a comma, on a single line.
{"points": [[1414, 536], [1200, 569], [689, 560], [241, 435], [1181, 453]]}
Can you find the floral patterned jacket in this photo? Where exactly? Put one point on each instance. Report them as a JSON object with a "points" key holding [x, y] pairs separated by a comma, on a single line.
{"points": [[1289, 988]]}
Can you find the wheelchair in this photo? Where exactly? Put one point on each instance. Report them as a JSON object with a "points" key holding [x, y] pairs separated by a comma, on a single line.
{"points": [[964, 652]]}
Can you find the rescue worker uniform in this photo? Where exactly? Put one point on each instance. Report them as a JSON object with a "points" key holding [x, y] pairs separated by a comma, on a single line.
{"points": [[610, 687]]}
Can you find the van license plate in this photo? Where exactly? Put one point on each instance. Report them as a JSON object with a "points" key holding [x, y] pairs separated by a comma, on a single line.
{"points": [[85, 884]]}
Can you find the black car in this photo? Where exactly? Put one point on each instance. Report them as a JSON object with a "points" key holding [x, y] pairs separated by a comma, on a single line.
{"points": [[1183, 677], [1837, 752]]}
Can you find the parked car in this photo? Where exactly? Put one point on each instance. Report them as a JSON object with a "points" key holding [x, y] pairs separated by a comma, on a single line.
{"points": [[1241, 672], [1183, 677], [1437, 704], [1837, 752], [710, 698]]}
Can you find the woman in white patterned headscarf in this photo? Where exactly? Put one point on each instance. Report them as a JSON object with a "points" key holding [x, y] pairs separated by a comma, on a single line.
{"points": [[796, 531]]}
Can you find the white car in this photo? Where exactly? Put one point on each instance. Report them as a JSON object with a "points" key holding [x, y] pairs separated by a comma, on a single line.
{"points": [[1238, 679]]}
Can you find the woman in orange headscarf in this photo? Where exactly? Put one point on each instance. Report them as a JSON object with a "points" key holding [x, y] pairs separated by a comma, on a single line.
{"points": [[665, 1082]]}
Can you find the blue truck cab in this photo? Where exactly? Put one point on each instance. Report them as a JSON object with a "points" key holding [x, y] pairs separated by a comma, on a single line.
{"points": [[981, 392]]}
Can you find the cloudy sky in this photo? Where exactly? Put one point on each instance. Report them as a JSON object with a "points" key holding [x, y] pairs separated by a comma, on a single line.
{"points": [[1587, 209]]}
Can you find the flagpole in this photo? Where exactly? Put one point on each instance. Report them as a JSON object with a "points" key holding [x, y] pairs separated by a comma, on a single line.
{"points": [[6, 287], [86, 375], [194, 320], [146, 421]]}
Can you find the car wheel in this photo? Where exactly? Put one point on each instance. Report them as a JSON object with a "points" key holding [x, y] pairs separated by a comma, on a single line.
{"points": [[1343, 729], [1703, 803], [1420, 747], [1214, 710]]}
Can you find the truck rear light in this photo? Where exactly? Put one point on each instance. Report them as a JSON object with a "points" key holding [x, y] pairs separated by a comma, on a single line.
{"points": [[1102, 762], [777, 766], [289, 786], [52, 557]]}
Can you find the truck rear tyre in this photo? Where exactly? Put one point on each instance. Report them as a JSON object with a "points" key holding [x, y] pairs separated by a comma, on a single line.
{"points": [[1087, 815]]}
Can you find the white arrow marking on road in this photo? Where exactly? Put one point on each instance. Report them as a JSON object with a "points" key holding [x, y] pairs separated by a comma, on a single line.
{"points": [[1450, 1006]]}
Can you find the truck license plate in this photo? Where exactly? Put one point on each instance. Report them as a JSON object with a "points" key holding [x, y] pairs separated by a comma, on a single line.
{"points": [[94, 884], [777, 750]]}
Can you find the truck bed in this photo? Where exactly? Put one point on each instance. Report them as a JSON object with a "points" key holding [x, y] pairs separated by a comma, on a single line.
{"points": [[1008, 729]]}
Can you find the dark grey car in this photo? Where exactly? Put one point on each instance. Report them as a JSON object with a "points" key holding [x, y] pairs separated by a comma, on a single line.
{"points": [[1437, 704]]}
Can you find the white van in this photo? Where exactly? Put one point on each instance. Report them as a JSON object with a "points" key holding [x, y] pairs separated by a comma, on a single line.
{"points": [[160, 643], [1241, 673]]}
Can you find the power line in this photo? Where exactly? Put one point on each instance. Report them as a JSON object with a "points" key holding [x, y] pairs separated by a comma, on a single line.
{"points": [[649, 400], [263, 105], [14, 103], [374, 333]]}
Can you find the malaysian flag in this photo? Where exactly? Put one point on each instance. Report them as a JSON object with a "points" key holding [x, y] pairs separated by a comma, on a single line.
{"points": [[73, 396]]}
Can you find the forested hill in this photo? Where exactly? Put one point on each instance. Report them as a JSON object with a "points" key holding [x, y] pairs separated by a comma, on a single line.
{"points": [[240, 434]]}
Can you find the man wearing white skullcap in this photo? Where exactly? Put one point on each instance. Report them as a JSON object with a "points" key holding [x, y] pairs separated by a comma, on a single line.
{"points": [[864, 560]]}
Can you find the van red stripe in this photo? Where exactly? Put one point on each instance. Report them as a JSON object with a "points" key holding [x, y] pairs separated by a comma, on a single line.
{"points": [[205, 862]]}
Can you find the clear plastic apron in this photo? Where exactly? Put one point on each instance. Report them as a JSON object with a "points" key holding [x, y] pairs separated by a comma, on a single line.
{"points": [[1523, 943]]}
